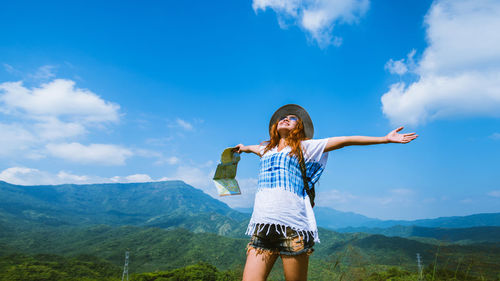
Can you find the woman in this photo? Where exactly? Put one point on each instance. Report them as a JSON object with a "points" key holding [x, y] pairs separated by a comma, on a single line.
{"points": [[283, 222]]}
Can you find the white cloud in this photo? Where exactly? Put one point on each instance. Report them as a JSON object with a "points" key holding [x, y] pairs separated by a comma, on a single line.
{"points": [[139, 178], [52, 128], [173, 160], [30, 176], [494, 193], [14, 139], [44, 72], [459, 72], [402, 66], [184, 124], [396, 67], [55, 111], [66, 177], [103, 154], [316, 17], [55, 99], [25, 176]]}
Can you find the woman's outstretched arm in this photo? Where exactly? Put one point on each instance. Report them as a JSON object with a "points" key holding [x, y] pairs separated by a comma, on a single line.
{"points": [[392, 137], [247, 148]]}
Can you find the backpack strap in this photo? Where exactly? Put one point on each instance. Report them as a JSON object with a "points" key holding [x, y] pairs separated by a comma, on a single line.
{"points": [[310, 191]]}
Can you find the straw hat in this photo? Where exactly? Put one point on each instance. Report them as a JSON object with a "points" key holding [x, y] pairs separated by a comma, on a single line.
{"points": [[297, 110]]}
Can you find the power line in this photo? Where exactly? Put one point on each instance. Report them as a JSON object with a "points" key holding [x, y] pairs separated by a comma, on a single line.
{"points": [[125, 267], [419, 262]]}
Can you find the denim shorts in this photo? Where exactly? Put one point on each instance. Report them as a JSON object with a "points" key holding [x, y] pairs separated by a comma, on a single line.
{"points": [[274, 242]]}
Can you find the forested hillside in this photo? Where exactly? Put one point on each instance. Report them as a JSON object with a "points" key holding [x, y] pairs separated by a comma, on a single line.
{"points": [[172, 229]]}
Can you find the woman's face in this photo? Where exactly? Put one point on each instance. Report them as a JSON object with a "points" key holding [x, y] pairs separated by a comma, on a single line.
{"points": [[287, 124]]}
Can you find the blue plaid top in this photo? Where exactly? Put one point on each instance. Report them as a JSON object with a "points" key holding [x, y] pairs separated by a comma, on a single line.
{"points": [[282, 170]]}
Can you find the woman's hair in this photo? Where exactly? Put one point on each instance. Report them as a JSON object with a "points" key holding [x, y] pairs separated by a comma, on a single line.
{"points": [[293, 139]]}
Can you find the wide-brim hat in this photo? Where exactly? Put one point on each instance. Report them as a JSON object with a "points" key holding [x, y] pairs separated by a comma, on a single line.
{"points": [[297, 110]]}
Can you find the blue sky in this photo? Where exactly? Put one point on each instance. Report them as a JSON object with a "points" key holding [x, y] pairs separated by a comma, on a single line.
{"points": [[124, 91]]}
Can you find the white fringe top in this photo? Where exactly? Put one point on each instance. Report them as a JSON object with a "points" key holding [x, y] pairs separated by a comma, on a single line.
{"points": [[281, 200]]}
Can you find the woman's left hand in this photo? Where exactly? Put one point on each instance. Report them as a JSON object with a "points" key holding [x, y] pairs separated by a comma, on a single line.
{"points": [[400, 138]]}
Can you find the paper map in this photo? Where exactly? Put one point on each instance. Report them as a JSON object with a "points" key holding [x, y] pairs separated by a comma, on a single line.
{"points": [[225, 174]]}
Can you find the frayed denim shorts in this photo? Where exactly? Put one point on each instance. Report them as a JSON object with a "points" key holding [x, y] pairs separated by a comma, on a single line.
{"points": [[273, 242]]}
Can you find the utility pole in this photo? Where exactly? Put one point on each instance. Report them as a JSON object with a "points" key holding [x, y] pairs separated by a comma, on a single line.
{"points": [[125, 267], [419, 262]]}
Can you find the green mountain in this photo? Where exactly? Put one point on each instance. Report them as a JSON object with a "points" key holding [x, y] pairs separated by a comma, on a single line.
{"points": [[352, 222], [462, 235], [166, 204]]}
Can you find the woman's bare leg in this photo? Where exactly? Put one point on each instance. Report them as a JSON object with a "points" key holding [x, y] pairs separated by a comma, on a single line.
{"points": [[295, 267], [258, 265]]}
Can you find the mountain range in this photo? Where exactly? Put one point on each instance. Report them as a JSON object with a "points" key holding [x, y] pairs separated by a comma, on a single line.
{"points": [[171, 224], [175, 203], [156, 204]]}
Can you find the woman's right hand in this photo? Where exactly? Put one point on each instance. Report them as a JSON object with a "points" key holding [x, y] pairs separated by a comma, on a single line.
{"points": [[239, 148]]}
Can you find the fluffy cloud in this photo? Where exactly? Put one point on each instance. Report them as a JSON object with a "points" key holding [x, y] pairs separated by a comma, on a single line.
{"points": [[458, 73], [104, 154], [42, 117], [133, 178], [56, 99], [401, 66], [14, 139], [51, 128], [66, 177], [30, 176], [53, 111], [316, 17], [25, 176]]}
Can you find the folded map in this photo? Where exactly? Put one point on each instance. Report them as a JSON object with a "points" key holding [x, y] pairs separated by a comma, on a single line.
{"points": [[225, 174]]}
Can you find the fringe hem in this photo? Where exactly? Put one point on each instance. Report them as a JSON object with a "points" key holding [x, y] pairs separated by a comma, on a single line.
{"points": [[281, 228]]}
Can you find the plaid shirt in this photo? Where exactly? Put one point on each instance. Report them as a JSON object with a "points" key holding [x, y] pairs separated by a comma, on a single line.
{"points": [[282, 170]]}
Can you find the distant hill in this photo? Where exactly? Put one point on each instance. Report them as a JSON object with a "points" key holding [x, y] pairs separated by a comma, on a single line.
{"points": [[333, 219], [167, 204], [463, 235], [352, 222]]}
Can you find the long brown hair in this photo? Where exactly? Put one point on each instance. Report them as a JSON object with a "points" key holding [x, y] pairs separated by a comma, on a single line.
{"points": [[293, 139]]}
